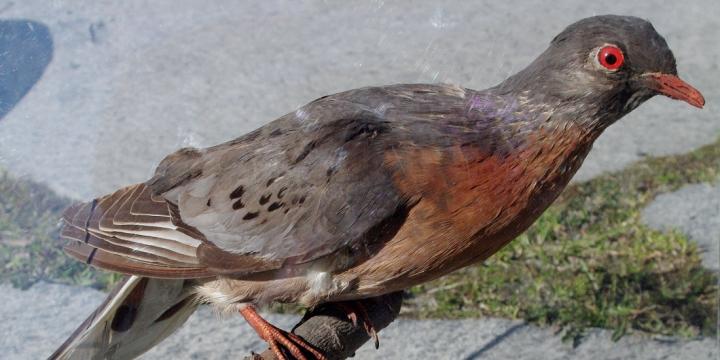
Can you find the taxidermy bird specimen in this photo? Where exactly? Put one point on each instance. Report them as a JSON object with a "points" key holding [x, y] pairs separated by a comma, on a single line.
{"points": [[360, 193]]}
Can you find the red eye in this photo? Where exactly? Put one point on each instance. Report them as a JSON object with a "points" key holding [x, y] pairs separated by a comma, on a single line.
{"points": [[611, 57]]}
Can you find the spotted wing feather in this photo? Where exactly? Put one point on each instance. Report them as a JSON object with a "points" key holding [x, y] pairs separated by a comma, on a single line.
{"points": [[307, 185], [302, 187]]}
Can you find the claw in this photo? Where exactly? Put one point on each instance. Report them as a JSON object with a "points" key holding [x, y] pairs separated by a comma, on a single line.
{"points": [[280, 342], [355, 308]]}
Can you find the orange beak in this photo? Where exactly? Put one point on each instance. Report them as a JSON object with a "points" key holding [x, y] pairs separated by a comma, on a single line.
{"points": [[673, 87]]}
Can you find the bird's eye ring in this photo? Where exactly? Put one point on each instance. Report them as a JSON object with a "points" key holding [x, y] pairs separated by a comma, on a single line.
{"points": [[610, 57]]}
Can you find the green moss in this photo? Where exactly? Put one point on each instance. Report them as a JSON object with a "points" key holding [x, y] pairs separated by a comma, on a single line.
{"points": [[590, 262]]}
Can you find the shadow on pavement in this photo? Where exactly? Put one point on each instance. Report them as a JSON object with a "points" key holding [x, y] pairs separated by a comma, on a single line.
{"points": [[494, 342], [26, 48]]}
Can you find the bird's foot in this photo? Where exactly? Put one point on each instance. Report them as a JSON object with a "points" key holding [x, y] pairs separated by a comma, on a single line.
{"points": [[355, 309], [282, 343]]}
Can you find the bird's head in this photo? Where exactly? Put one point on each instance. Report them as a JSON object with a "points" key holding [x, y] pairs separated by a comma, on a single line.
{"points": [[600, 68]]}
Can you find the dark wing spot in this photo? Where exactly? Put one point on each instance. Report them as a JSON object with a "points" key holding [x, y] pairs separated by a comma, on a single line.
{"points": [[209, 202], [265, 198], [87, 223], [269, 182], [304, 153], [124, 318], [238, 205], [274, 206], [126, 313], [251, 215], [370, 128], [276, 132], [281, 192], [238, 192], [302, 199], [92, 253], [173, 310], [320, 98]]}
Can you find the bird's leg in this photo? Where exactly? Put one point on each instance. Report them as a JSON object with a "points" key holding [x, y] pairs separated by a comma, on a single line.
{"points": [[355, 309], [278, 339]]}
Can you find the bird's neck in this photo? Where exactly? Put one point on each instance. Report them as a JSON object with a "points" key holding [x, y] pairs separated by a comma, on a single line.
{"points": [[591, 108], [513, 121]]}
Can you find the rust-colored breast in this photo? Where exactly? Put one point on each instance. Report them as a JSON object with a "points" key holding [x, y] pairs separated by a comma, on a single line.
{"points": [[472, 203]]}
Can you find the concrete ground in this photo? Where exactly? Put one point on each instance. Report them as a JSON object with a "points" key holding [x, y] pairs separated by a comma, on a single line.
{"points": [[205, 336], [94, 93], [694, 210]]}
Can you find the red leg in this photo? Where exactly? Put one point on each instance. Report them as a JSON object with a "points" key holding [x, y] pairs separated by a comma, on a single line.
{"points": [[355, 309], [278, 339]]}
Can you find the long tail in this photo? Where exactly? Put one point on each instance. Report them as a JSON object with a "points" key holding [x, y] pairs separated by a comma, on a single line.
{"points": [[138, 313]]}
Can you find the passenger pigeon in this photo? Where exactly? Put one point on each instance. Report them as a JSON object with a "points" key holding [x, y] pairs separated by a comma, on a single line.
{"points": [[360, 193]]}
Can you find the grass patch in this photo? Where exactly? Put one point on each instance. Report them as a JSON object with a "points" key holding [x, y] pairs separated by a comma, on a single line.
{"points": [[30, 250], [587, 262], [590, 262]]}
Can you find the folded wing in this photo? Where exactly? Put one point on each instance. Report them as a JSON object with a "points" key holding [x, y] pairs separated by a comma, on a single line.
{"points": [[303, 187]]}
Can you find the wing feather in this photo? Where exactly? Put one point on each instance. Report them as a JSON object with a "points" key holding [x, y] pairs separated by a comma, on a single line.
{"points": [[298, 189], [308, 185], [138, 240]]}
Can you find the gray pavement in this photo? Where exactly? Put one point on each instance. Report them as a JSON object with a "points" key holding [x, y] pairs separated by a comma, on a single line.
{"points": [[130, 81], [694, 210], [58, 309]]}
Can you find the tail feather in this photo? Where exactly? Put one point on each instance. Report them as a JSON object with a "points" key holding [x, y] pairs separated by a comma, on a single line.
{"points": [[138, 313]]}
